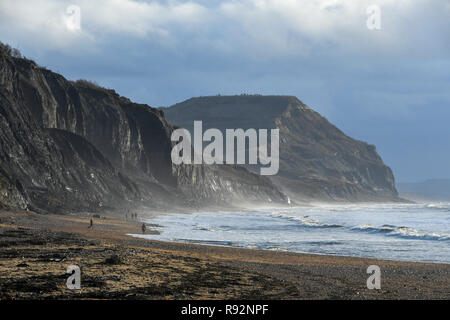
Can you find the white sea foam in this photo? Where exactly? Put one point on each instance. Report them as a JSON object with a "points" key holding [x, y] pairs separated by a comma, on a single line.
{"points": [[415, 232], [306, 220], [403, 231]]}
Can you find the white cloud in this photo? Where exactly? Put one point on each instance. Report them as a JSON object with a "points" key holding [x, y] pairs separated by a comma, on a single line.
{"points": [[140, 18], [296, 26], [42, 22], [257, 27], [46, 21]]}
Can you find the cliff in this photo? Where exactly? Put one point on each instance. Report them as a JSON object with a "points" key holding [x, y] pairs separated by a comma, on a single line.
{"points": [[76, 146], [317, 160]]}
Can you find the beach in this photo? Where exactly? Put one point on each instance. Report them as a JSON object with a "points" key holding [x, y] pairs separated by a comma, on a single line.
{"points": [[36, 249]]}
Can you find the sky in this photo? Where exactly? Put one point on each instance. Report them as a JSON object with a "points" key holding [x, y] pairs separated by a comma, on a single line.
{"points": [[377, 69]]}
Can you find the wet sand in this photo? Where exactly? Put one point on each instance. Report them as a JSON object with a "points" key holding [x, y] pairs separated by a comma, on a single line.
{"points": [[35, 251]]}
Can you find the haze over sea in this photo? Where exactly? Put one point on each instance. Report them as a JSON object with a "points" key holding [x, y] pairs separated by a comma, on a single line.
{"points": [[411, 232]]}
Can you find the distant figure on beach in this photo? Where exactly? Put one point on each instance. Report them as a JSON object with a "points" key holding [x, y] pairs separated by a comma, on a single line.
{"points": [[91, 224], [143, 228]]}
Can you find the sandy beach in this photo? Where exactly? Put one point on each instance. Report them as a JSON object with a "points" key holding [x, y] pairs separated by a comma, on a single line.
{"points": [[35, 251]]}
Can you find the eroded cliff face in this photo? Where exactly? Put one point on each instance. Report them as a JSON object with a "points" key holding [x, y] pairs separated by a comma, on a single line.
{"points": [[75, 146], [317, 161], [132, 136], [51, 170], [321, 161], [242, 187]]}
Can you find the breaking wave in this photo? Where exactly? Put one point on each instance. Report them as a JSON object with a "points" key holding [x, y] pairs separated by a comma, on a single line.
{"points": [[386, 229], [402, 232], [306, 221], [411, 232]]}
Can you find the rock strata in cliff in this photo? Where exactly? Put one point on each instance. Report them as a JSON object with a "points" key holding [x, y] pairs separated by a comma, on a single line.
{"points": [[317, 160], [76, 146]]}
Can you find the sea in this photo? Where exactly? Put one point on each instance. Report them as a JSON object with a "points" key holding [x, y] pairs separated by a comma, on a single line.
{"points": [[405, 232]]}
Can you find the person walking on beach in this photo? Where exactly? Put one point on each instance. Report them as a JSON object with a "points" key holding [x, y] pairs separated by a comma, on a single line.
{"points": [[91, 223], [144, 228]]}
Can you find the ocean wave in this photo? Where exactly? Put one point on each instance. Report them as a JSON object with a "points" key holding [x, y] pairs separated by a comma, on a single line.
{"points": [[402, 232], [438, 206], [365, 227], [276, 248], [211, 228], [323, 243], [407, 232], [369, 227], [207, 242], [306, 221]]}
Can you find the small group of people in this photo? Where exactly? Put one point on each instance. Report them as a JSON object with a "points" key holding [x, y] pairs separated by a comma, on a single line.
{"points": [[134, 215]]}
